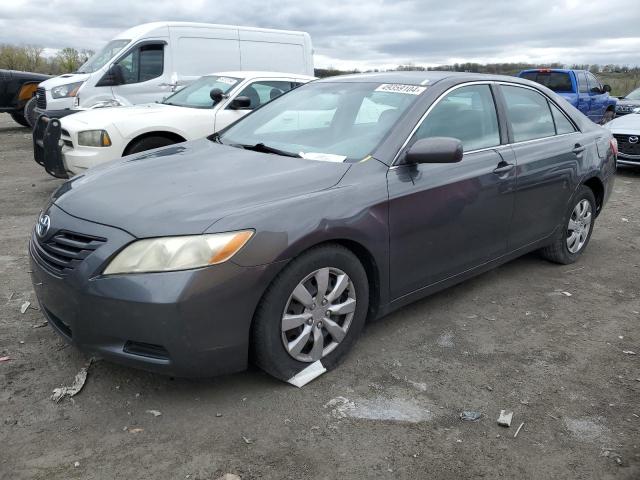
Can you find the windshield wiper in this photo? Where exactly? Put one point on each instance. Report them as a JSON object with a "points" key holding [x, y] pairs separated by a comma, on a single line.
{"points": [[261, 147]]}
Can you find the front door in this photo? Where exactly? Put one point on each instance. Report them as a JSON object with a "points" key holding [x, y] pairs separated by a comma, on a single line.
{"points": [[145, 73], [445, 219]]}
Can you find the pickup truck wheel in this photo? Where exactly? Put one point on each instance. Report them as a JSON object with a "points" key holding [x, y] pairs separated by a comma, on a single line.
{"points": [[149, 143], [573, 237], [18, 117], [607, 117], [29, 112]]}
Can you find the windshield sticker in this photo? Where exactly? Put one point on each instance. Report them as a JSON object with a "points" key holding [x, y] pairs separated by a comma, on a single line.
{"points": [[227, 80], [425, 81], [400, 88], [323, 157]]}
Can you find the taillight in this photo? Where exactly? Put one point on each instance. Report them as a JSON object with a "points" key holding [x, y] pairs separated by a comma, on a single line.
{"points": [[544, 70], [614, 145]]}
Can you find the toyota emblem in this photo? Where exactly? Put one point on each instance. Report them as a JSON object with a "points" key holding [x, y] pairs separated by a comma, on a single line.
{"points": [[42, 227], [633, 139]]}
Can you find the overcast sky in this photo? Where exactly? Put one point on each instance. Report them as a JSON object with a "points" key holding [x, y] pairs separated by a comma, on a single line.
{"points": [[363, 34]]}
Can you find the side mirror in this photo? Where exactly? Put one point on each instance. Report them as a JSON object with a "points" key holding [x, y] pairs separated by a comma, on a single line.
{"points": [[435, 150], [240, 103], [216, 95], [606, 88], [113, 77]]}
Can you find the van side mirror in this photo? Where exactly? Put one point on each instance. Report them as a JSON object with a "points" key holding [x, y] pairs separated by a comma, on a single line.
{"points": [[435, 150], [606, 88], [114, 76], [216, 95], [240, 103]]}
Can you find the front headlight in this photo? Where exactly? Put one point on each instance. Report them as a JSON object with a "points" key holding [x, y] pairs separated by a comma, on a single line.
{"points": [[68, 90], [94, 138], [178, 253]]}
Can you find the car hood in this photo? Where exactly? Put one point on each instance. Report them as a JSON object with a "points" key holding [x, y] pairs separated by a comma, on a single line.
{"points": [[185, 188], [97, 117], [64, 79], [625, 123]]}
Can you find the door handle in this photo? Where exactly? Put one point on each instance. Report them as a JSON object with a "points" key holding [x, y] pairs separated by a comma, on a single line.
{"points": [[577, 149], [503, 167]]}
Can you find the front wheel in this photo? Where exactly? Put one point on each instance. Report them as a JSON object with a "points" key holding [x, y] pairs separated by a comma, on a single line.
{"points": [[314, 310], [573, 238], [18, 117], [148, 143], [30, 113]]}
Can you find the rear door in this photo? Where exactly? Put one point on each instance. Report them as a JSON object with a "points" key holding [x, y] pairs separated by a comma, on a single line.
{"points": [[584, 98], [548, 149], [447, 218]]}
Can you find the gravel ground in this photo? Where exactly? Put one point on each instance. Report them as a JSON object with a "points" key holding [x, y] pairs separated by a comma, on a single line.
{"points": [[509, 339]]}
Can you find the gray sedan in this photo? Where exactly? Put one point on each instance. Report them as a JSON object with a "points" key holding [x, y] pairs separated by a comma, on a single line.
{"points": [[337, 203]]}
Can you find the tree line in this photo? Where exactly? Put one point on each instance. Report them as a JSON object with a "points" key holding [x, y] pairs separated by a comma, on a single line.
{"points": [[30, 58]]}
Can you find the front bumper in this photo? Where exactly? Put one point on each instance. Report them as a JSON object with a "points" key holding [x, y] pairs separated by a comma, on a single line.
{"points": [[47, 148], [631, 160], [187, 323]]}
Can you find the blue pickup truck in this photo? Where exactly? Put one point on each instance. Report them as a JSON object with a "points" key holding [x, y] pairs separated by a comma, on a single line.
{"points": [[580, 88]]}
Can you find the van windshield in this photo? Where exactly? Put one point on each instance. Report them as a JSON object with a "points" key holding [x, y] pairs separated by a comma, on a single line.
{"points": [[198, 94], [100, 58]]}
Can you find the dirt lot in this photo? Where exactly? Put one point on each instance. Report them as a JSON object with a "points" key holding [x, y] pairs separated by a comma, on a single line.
{"points": [[509, 339]]}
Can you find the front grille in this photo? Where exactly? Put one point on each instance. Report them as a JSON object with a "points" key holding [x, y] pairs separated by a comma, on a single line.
{"points": [[66, 138], [626, 147], [64, 251], [41, 98]]}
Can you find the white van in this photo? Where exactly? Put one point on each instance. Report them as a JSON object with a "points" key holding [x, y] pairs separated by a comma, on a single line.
{"points": [[148, 62]]}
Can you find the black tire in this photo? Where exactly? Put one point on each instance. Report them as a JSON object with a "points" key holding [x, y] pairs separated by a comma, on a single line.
{"points": [[267, 347], [18, 117], [29, 112], [558, 251], [149, 143], [607, 117]]}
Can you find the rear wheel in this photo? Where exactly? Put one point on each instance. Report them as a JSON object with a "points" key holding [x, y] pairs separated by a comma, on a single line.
{"points": [[314, 310], [30, 114], [573, 238], [607, 117], [149, 143], [18, 117]]}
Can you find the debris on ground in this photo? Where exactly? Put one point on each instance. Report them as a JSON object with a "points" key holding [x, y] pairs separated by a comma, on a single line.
{"points": [[628, 352], [566, 294], [611, 453], [470, 416], [155, 413], [218, 414], [505, 418], [78, 383], [4, 359], [134, 430], [76, 464], [307, 374], [625, 220], [40, 325], [24, 307], [248, 441], [518, 430], [229, 476]]}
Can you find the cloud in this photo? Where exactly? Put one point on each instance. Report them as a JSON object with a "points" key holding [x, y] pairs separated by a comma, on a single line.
{"points": [[377, 33]]}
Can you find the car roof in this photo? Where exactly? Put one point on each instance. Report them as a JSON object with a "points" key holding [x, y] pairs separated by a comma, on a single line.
{"points": [[418, 77], [256, 73]]}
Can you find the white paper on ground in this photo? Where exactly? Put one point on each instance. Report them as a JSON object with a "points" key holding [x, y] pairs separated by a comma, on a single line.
{"points": [[305, 375]]}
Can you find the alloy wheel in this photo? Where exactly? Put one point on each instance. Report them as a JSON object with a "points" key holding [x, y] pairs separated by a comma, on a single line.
{"points": [[318, 314], [579, 226]]}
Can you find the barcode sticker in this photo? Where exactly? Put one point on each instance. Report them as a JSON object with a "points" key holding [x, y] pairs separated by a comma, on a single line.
{"points": [[227, 80], [400, 88]]}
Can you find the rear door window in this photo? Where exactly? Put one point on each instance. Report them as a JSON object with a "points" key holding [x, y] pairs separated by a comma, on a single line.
{"points": [[528, 113], [556, 81], [468, 114]]}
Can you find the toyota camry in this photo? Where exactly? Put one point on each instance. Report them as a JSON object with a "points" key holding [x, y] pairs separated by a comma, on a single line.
{"points": [[276, 239]]}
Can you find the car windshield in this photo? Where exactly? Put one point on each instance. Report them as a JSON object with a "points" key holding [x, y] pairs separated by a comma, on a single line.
{"points": [[332, 121], [100, 58], [634, 95], [198, 94], [556, 81]]}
